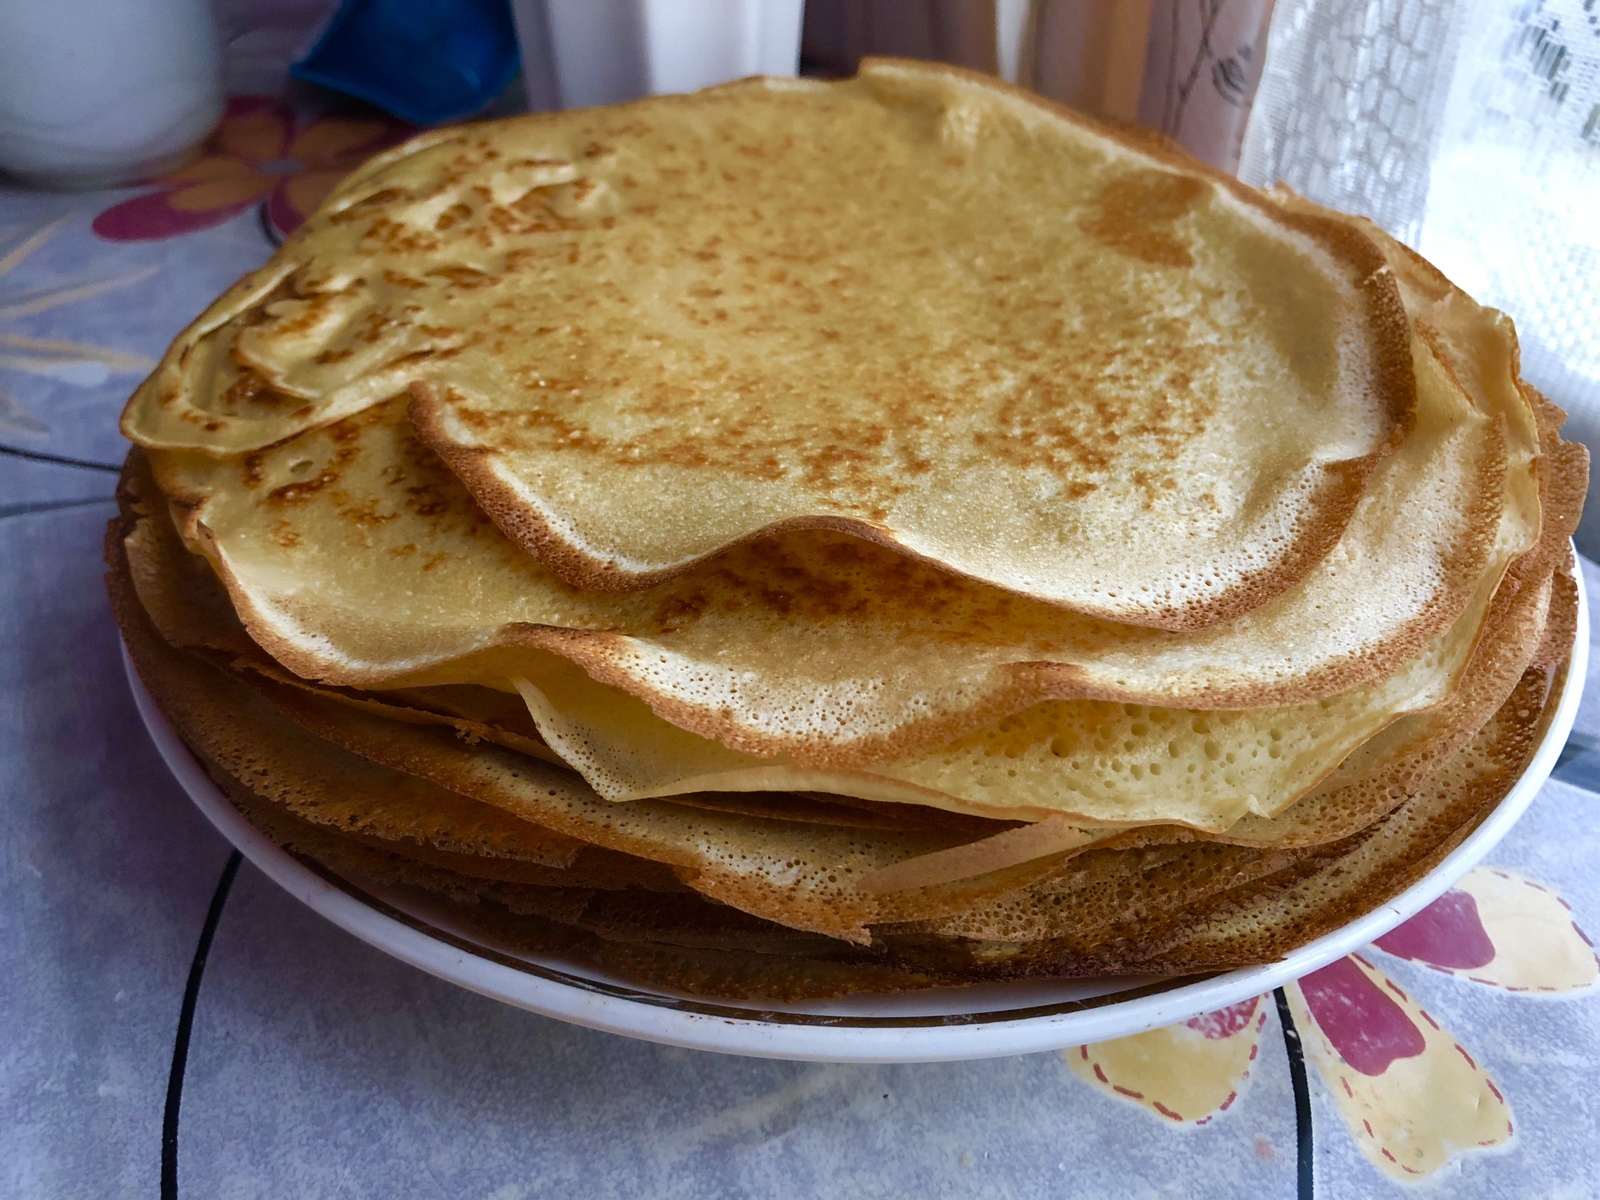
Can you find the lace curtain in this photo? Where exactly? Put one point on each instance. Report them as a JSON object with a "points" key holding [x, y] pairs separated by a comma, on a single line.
{"points": [[1471, 130]]}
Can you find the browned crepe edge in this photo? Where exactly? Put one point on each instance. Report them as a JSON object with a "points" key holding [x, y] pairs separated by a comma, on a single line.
{"points": [[453, 767], [1562, 478], [691, 951], [908, 964], [1561, 625], [1393, 388], [434, 755], [1011, 686], [1195, 936], [1367, 794], [191, 609], [1381, 803], [1523, 720], [179, 683], [695, 950]]}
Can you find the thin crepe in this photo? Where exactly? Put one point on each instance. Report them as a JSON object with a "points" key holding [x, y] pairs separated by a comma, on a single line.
{"points": [[643, 334], [346, 552], [1168, 910], [1221, 773], [1105, 915], [1101, 762], [185, 601], [797, 874]]}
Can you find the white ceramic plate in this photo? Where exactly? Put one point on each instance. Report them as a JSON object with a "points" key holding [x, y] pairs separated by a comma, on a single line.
{"points": [[981, 1021]]}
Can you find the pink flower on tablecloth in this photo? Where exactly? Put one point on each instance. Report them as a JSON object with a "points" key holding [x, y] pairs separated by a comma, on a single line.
{"points": [[255, 154], [1412, 1096]]}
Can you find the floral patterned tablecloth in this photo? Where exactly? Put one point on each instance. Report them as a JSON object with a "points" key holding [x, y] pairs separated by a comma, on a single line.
{"points": [[175, 1025]]}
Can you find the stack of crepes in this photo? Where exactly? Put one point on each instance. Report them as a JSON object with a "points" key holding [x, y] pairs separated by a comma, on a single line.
{"points": [[802, 538]]}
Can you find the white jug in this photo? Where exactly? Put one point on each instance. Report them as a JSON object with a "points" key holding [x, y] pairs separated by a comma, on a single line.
{"points": [[96, 93]]}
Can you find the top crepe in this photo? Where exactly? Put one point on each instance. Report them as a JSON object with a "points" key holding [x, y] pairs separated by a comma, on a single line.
{"points": [[917, 307]]}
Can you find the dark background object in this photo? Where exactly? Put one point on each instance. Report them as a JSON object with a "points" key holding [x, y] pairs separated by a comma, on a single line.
{"points": [[424, 61], [838, 33]]}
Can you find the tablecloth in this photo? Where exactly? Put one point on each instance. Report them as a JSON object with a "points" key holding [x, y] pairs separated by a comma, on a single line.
{"points": [[1456, 1058]]}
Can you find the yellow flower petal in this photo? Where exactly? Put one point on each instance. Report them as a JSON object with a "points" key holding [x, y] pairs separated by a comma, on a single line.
{"points": [[208, 170], [305, 191], [333, 137], [259, 134], [1185, 1073], [222, 193], [1537, 946]]}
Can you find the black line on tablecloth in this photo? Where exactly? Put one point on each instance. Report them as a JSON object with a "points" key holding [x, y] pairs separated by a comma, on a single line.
{"points": [[60, 460], [270, 233], [1305, 1167], [180, 1044], [28, 507]]}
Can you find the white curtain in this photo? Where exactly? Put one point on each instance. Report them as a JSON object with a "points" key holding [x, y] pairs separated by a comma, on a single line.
{"points": [[1471, 130]]}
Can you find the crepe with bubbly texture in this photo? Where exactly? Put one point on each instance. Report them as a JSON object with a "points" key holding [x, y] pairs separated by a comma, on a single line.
{"points": [[1112, 923], [643, 334], [803, 538], [1172, 909], [1095, 762], [299, 744], [1163, 907], [1105, 764], [186, 604], [348, 552]]}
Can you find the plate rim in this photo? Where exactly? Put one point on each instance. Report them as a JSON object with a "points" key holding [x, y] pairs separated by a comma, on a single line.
{"points": [[639, 1012]]}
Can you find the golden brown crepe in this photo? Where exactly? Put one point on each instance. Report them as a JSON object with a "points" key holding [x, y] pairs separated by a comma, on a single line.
{"points": [[1170, 909], [345, 548], [646, 333], [717, 539]]}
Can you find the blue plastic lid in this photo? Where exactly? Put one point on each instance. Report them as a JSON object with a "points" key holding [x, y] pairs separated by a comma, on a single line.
{"points": [[424, 61]]}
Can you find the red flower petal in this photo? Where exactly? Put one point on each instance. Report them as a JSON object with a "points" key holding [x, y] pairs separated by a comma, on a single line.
{"points": [[150, 217], [1367, 1028], [1225, 1022], [1184, 1073], [1448, 933], [1417, 1111], [1502, 929]]}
